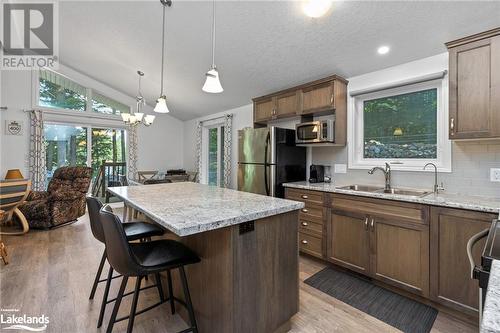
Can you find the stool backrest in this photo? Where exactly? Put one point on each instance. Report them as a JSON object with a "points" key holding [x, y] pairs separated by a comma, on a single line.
{"points": [[94, 205], [118, 250]]}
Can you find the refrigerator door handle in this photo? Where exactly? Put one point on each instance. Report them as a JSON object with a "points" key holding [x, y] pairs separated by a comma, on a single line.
{"points": [[266, 166]]}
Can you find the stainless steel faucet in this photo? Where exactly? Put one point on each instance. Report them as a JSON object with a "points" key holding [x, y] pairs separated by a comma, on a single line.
{"points": [[437, 187], [387, 174]]}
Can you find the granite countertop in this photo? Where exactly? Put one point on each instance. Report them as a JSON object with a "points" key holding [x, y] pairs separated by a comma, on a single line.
{"points": [[189, 208], [491, 320], [470, 202]]}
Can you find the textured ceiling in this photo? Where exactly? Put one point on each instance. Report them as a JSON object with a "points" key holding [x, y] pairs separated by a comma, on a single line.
{"points": [[262, 46]]}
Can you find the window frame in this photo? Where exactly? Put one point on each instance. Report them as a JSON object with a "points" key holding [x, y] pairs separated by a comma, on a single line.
{"points": [[356, 159], [66, 113]]}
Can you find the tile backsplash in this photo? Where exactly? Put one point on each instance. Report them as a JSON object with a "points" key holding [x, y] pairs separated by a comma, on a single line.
{"points": [[471, 163]]}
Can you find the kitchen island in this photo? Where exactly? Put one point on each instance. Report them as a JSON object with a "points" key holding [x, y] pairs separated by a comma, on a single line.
{"points": [[247, 280]]}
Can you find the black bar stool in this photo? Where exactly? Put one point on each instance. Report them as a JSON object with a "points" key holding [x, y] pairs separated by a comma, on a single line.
{"points": [[133, 231], [141, 259]]}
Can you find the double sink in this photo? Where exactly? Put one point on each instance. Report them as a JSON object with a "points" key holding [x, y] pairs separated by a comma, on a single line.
{"points": [[376, 189]]}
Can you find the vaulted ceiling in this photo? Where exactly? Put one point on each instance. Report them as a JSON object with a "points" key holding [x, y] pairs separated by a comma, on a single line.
{"points": [[262, 46]]}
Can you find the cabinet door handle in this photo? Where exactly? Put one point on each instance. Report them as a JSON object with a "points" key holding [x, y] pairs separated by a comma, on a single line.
{"points": [[304, 196], [305, 224], [372, 224], [304, 241], [304, 210], [331, 99], [366, 223], [452, 125]]}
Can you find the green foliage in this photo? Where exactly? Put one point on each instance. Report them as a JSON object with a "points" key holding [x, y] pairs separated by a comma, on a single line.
{"points": [[103, 148], [53, 95], [400, 121]]}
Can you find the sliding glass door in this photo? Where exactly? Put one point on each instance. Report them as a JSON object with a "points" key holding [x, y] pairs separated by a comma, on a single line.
{"points": [[108, 145], [71, 145], [65, 145]]}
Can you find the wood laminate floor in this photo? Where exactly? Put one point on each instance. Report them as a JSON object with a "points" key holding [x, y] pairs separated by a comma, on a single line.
{"points": [[51, 273]]}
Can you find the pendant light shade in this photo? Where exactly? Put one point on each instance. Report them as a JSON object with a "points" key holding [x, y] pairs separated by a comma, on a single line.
{"points": [[125, 116], [161, 105], [148, 119], [161, 102], [212, 82]]}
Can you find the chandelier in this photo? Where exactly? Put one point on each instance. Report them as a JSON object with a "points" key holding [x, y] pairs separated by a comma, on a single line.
{"points": [[136, 118]]}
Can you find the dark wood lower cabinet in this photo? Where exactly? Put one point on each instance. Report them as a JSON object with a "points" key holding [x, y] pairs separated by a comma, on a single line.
{"points": [[400, 254], [348, 241], [451, 283], [417, 248]]}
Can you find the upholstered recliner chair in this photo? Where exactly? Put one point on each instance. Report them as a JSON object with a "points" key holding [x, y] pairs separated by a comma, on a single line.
{"points": [[64, 200]]}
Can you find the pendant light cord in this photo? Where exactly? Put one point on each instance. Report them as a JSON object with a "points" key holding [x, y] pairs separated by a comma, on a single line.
{"points": [[213, 34], [162, 50]]}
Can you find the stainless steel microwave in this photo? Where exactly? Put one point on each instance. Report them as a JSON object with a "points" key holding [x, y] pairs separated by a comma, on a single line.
{"points": [[322, 131]]}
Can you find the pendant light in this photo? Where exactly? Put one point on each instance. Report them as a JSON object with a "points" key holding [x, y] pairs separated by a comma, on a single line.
{"points": [[161, 102], [136, 118], [212, 82]]}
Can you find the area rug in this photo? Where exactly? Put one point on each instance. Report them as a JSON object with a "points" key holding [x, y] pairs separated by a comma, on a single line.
{"points": [[398, 311]]}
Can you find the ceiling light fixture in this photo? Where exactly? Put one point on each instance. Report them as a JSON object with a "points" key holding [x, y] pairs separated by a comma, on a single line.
{"points": [[316, 8], [383, 49], [212, 82], [136, 118], [161, 102]]}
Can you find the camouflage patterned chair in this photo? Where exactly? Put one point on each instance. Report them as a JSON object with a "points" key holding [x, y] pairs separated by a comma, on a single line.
{"points": [[64, 200]]}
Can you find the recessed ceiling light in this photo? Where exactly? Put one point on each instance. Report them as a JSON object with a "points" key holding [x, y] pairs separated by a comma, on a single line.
{"points": [[383, 50], [316, 8]]}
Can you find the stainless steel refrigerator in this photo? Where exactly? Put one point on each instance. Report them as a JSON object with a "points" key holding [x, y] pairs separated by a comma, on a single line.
{"points": [[267, 158]]}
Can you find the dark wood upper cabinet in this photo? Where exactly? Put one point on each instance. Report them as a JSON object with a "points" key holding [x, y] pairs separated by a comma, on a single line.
{"points": [[263, 109], [287, 104], [317, 98], [320, 97], [474, 86]]}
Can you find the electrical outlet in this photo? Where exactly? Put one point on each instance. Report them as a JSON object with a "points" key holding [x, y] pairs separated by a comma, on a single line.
{"points": [[494, 175], [340, 168]]}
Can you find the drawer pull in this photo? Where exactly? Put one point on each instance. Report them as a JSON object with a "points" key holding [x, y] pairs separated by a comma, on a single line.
{"points": [[305, 196], [304, 210], [304, 241], [305, 224]]}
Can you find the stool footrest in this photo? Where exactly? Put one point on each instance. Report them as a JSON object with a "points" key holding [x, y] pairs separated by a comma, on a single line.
{"points": [[141, 311], [151, 306], [114, 277], [131, 292]]}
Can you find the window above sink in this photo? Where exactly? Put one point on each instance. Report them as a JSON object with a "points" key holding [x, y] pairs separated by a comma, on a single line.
{"points": [[405, 126]]}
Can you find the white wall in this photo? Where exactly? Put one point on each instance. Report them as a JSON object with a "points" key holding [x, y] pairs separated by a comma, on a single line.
{"points": [[160, 145], [242, 117]]}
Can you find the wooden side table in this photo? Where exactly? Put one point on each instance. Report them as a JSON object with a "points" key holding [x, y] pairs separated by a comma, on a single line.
{"points": [[3, 249]]}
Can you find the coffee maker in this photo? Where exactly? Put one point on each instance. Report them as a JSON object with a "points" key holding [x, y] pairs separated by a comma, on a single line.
{"points": [[316, 173]]}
